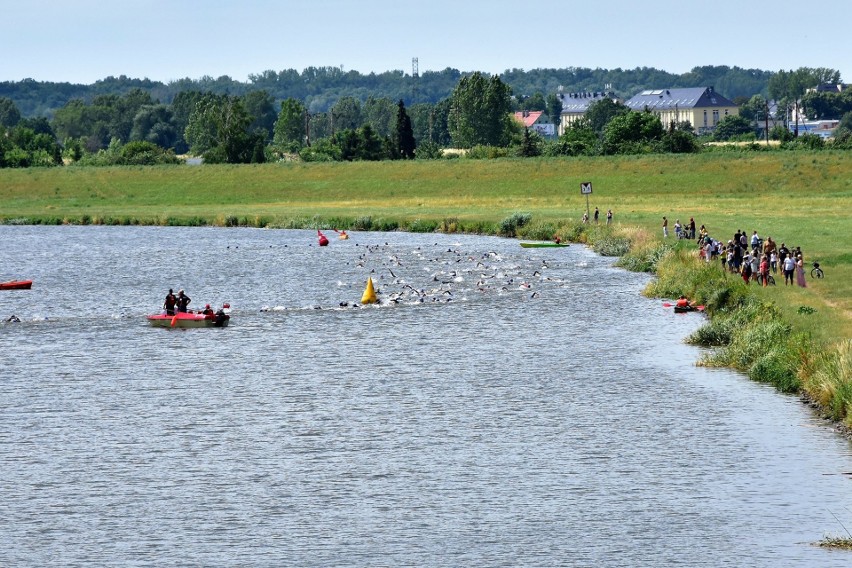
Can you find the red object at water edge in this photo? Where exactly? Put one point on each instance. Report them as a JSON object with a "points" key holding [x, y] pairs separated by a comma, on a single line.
{"points": [[323, 240], [16, 285]]}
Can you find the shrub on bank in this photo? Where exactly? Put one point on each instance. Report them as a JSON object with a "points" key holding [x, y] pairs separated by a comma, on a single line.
{"points": [[750, 334]]}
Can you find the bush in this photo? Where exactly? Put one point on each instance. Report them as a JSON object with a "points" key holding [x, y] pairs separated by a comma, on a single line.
{"points": [[487, 152], [510, 225], [421, 226]]}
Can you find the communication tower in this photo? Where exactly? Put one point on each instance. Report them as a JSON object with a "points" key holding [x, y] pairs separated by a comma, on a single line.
{"points": [[415, 76]]}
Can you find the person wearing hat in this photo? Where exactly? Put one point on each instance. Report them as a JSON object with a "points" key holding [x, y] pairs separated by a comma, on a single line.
{"points": [[208, 311], [182, 301]]}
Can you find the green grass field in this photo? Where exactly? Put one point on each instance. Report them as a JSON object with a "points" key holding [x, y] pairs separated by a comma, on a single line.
{"points": [[800, 198]]}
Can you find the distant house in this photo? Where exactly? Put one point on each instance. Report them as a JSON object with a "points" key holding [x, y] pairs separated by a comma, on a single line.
{"points": [[830, 88], [535, 120], [702, 107], [822, 128], [575, 105]]}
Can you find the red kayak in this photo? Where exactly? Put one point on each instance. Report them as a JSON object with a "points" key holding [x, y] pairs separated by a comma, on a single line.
{"points": [[188, 319], [16, 285]]}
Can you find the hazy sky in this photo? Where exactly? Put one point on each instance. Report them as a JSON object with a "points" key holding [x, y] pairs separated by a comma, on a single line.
{"points": [[81, 41]]}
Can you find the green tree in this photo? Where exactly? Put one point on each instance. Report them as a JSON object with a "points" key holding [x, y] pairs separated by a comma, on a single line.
{"points": [[788, 87], [678, 141], [260, 106], [534, 102], [217, 129], [632, 133], [9, 113], [754, 108], [290, 129], [733, 127], [480, 112], [530, 145], [155, 124], [182, 107], [578, 139], [601, 112], [73, 120], [379, 113], [554, 110], [346, 114], [403, 139]]}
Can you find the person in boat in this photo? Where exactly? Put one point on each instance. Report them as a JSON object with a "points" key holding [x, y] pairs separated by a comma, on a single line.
{"points": [[169, 304], [556, 239], [182, 301], [208, 311], [683, 304]]}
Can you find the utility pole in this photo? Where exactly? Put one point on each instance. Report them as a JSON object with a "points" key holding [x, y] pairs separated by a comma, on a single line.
{"points": [[307, 128], [766, 129]]}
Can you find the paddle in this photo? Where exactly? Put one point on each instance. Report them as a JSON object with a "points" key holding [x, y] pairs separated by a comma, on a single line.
{"points": [[669, 305], [174, 320]]}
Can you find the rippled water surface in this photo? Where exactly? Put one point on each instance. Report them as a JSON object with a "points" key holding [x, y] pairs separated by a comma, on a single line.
{"points": [[503, 406]]}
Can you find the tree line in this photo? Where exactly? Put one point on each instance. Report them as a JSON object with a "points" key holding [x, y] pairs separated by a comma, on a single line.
{"points": [[136, 128], [319, 88]]}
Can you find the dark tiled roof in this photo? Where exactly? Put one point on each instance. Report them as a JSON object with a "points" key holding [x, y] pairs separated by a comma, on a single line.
{"points": [[665, 99], [580, 102]]}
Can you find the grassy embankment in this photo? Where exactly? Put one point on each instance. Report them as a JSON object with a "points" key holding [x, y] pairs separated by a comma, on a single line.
{"points": [[802, 199]]}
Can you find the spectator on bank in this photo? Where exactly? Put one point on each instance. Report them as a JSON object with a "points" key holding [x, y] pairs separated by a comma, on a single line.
{"points": [[789, 266]]}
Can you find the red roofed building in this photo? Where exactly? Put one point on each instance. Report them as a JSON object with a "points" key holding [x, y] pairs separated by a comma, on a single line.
{"points": [[533, 119]]}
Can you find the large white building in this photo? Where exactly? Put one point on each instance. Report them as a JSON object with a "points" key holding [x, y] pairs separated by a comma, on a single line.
{"points": [[702, 107]]}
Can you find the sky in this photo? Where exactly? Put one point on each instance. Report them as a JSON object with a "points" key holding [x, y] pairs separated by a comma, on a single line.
{"points": [[83, 41]]}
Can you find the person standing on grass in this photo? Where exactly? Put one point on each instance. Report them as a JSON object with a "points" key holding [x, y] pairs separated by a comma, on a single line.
{"points": [[692, 227], [665, 227], [764, 270], [800, 272], [609, 216], [746, 269], [597, 214], [789, 266]]}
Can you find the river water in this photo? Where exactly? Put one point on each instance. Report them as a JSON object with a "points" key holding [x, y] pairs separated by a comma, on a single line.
{"points": [[501, 407]]}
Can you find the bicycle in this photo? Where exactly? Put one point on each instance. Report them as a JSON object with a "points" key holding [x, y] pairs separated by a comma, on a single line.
{"points": [[816, 271], [770, 280]]}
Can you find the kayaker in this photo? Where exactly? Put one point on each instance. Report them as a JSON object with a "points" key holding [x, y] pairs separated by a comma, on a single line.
{"points": [[683, 303], [182, 301], [170, 302]]}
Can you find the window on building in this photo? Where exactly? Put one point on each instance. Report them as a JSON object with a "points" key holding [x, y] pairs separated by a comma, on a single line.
{"points": [[705, 119], [715, 117]]}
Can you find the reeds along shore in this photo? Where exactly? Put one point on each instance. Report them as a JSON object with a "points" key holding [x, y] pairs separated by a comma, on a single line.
{"points": [[749, 331]]}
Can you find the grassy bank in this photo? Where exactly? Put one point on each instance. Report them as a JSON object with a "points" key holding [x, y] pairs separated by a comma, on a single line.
{"points": [[800, 198]]}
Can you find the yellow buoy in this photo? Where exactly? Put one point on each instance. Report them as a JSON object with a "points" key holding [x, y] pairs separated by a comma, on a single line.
{"points": [[369, 296]]}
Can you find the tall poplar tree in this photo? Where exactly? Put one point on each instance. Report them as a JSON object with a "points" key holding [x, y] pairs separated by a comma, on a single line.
{"points": [[403, 139], [480, 111]]}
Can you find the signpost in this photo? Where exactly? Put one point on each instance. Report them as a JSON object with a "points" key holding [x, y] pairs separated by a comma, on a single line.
{"points": [[586, 189]]}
